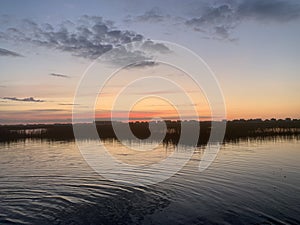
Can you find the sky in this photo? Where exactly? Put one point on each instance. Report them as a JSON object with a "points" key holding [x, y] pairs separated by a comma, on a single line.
{"points": [[46, 48]]}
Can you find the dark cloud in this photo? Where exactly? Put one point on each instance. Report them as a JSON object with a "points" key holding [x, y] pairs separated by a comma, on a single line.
{"points": [[274, 10], [149, 45], [89, 37], [5, 52], [218, 20], [59, 75], [153, 15], [123, 56], [222, 32], [143, 64], [30, 99]]}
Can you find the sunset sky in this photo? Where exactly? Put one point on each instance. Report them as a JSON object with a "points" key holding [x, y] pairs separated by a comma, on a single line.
{"points": [[252, 46]]}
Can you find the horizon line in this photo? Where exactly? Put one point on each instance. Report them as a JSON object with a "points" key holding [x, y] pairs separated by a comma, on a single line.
{"points": [[149, 121]]}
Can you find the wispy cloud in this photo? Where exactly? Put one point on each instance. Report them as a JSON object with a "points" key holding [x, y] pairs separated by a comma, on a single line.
{"points": [[45, 110], [177, 105], [29, 99], [67, 104], [160, 92], [5, 52], [59, 75]]}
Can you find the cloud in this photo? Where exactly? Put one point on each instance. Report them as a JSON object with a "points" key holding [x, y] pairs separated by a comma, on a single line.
{"points": [[151, 46], [5, 52], [143, 64], [59, 75], [153, 15], [177, 105], [125, 55], [272, 10], [45, 110], [29, 99], [218, 20], [160, 92], [68, 104], [89, 37]]}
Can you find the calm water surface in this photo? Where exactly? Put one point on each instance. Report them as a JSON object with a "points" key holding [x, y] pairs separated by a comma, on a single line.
{"points": [[250, 182]]}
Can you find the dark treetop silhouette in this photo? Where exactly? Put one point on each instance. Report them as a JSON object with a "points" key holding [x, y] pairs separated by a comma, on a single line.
{"points": [[236, 129]]}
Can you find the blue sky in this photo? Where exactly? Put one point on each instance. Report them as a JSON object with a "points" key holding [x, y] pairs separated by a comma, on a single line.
{"points": [[252, 46]]}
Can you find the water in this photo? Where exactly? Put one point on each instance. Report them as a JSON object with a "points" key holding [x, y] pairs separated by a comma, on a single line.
{"points": [[250, 182]]}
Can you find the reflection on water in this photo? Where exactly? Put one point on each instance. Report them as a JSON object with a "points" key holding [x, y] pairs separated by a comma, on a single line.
{"points": [[250, 182]]}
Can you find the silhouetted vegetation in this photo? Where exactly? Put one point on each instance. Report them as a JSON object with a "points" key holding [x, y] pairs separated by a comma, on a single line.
{"points": [[236, 129]]}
